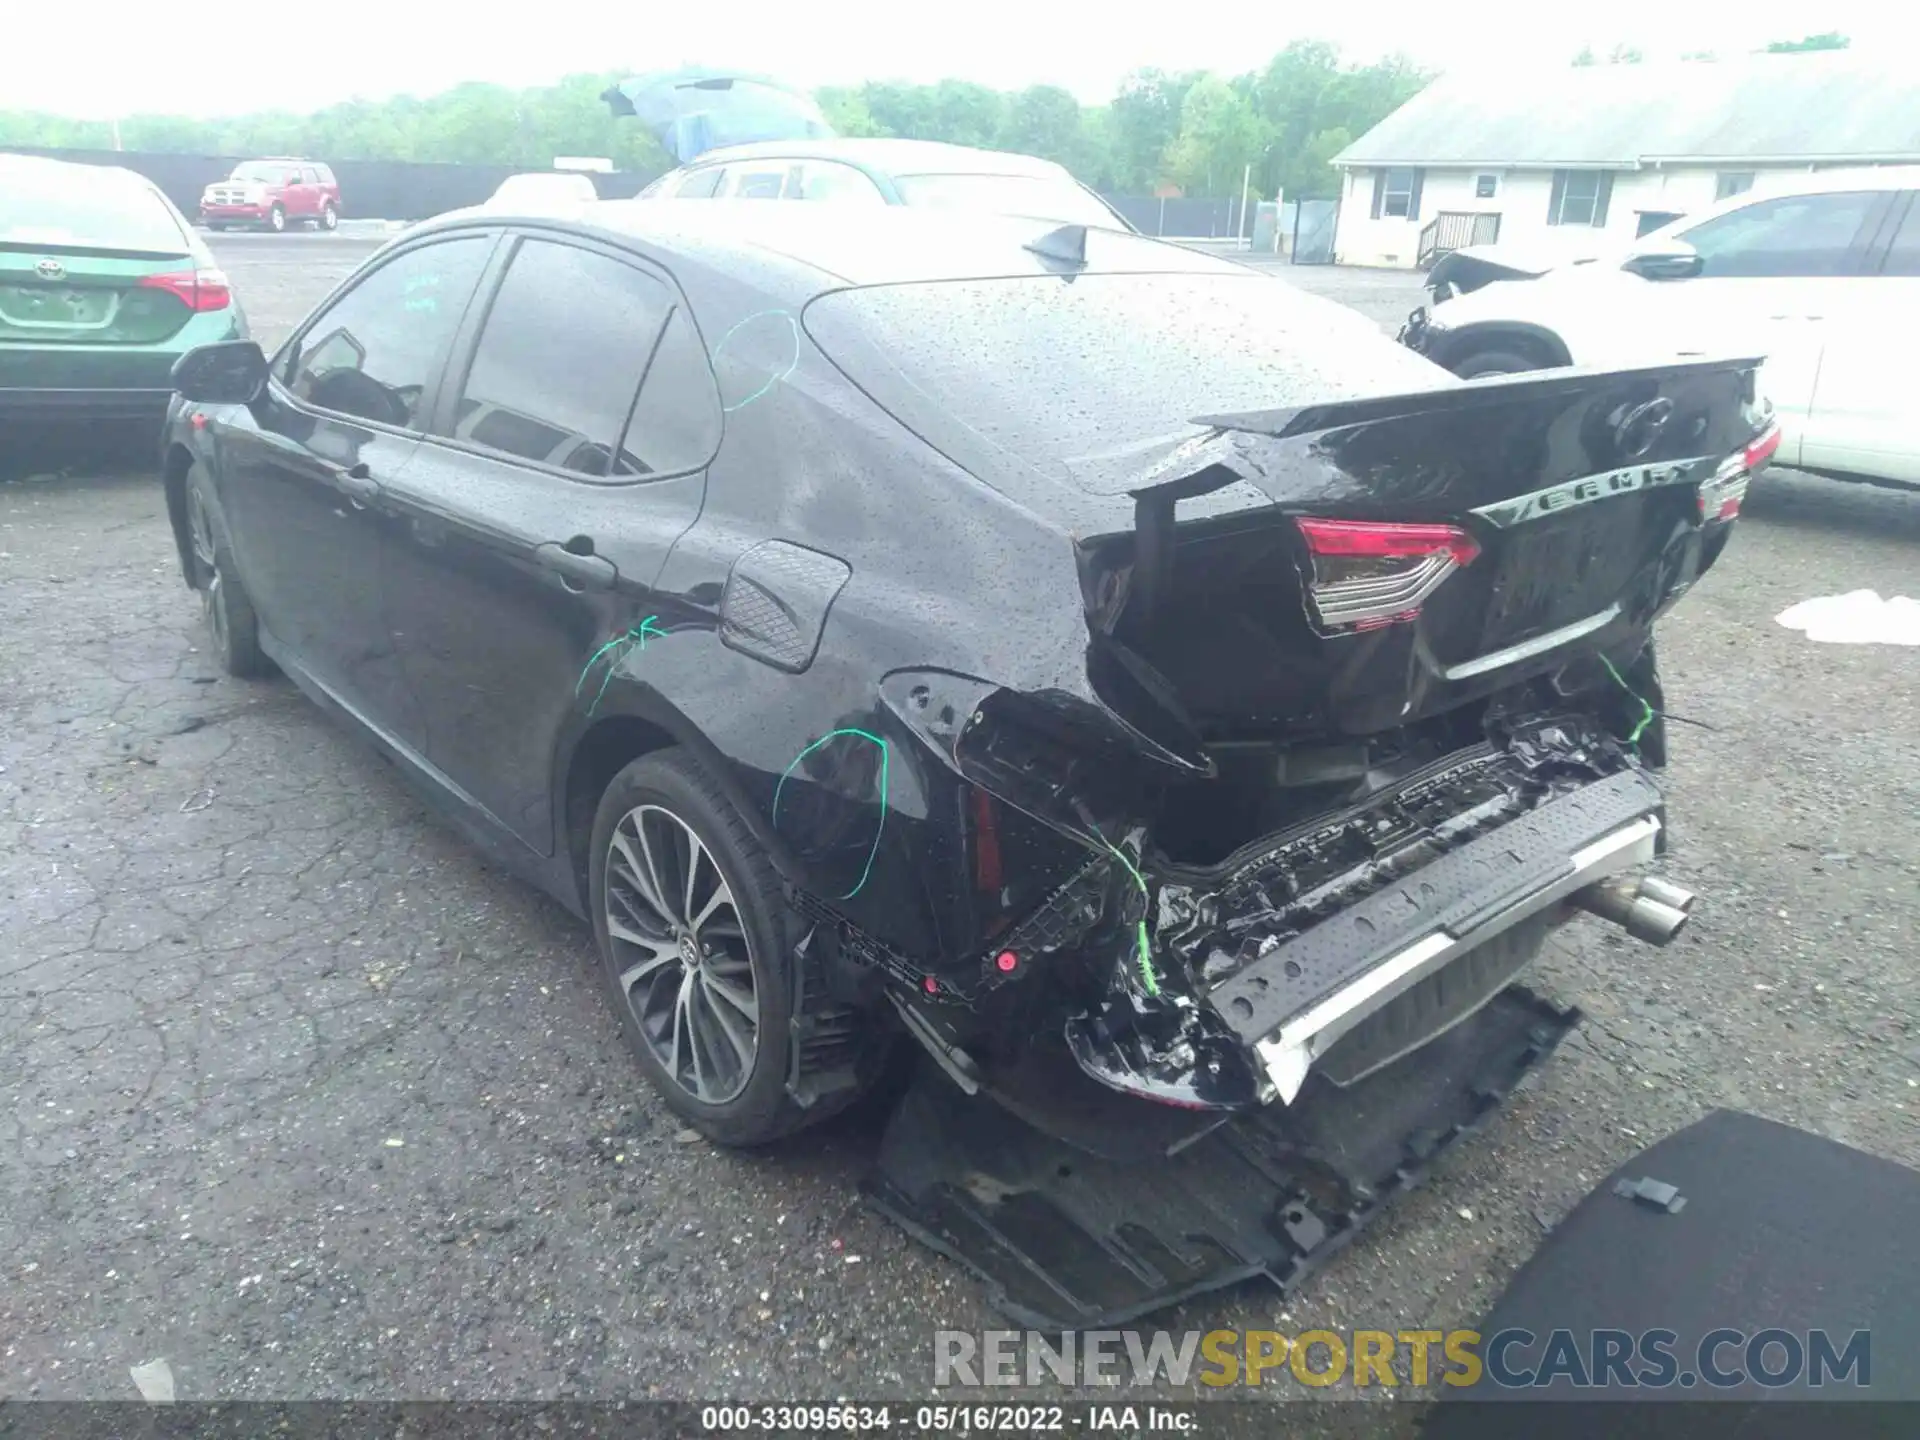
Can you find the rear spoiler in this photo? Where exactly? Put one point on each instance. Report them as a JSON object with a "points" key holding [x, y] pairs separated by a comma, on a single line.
{"points": [[1492, 390]]}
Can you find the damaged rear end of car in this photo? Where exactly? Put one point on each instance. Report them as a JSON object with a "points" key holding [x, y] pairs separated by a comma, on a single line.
{"points": [[1370, 705], [1368, 686]]}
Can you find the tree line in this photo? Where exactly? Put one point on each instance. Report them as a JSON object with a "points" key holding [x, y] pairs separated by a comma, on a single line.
{"points": [[1195, 130], [1201, 132]]}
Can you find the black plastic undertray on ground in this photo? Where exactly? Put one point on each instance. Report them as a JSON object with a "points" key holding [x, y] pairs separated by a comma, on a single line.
{"points": [[1066, 1238], [1779, 1230]]}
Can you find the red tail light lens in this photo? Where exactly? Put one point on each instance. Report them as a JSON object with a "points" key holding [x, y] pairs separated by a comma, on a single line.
{"points": [[198, 290], [1762, 450], [1372, 573], [1721, 497]]}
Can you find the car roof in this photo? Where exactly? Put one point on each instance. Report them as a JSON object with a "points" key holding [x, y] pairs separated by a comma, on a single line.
{"points": [[816, 248], [889, 156], [78, 170]]}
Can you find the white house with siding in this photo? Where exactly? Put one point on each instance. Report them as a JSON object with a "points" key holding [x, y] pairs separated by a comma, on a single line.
{"points": [[1570, 160]]}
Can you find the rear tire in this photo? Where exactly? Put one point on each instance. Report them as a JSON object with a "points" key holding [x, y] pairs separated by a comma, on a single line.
{"points": [[329, 217], [231, 623], [277, 220], [1496, 362], [693, 999]]}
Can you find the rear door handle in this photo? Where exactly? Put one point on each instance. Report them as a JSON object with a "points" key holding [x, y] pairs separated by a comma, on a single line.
{"points": [[577, 572]]}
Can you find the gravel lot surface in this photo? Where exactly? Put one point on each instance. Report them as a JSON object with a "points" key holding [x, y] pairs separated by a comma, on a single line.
{"points": [[297, 1094]]}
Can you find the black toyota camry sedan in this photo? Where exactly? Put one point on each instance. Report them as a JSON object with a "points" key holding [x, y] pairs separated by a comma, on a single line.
{"points": [[1085, 660]]}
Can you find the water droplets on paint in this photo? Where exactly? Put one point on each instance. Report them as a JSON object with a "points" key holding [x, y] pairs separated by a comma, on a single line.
{"points": [[1860, 617]]}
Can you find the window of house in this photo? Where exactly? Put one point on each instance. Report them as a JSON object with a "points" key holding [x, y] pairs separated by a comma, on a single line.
{"points": [[825, 180], [1791, 235], [560, 359], [1580, 197], [1652, 220], [1396, 193], [1730, 183], [373, 353], [1485, 187]]}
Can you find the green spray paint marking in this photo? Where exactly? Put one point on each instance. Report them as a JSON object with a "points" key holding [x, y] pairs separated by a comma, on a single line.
{"points": [[637, 636], [773, 378], [1646, 710], [885, 761], [1144, 945]]}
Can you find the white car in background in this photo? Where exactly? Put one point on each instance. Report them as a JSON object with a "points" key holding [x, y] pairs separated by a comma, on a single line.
{"points": [[1822, 278], [543, 190], [743, 137]]}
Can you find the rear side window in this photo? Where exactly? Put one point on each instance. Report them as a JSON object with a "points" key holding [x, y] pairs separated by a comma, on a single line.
{"points": [[57, 205], [825, 180], [1904, 257], [554, 380], [374, 351], [767, 181], [700, 185], [1792, 235], [676, 425]]}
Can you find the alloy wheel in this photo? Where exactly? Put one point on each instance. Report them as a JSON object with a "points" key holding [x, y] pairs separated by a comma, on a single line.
{"points": [[682, 955], [206, 560]]}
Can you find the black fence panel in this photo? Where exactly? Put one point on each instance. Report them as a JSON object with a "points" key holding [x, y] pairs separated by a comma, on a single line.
{"points": [[1178, 217], [1315, 223], [369, 189]]}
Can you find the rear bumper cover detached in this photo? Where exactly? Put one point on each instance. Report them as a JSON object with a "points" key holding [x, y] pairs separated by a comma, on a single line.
{"points": [[1357, 937], [1302, 995]]}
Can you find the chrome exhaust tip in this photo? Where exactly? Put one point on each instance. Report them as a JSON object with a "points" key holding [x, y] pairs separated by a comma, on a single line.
{"points": [[1667, 893], [1624, 902]]}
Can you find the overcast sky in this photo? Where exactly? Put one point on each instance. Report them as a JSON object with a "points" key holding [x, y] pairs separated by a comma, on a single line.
{"points": [[231, 56]]}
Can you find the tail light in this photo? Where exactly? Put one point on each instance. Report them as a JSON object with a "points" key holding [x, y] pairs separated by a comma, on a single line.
{"points": [[196, 289], [1721, 497], [1367, 574]]}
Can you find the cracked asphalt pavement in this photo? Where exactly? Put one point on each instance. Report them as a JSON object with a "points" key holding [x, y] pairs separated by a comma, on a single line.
{"points": [[298, 1094]]}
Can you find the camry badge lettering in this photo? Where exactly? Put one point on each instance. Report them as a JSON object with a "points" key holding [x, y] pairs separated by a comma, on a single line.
{"points": [[1588, 488]]}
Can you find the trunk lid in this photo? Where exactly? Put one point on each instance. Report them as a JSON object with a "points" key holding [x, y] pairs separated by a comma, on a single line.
{"points": [[83, 252], [692, 110], [69, 294], [1417, 552]]}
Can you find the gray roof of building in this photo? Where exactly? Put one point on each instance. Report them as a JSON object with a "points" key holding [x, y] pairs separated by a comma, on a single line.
{"points": [[1804, 107]]}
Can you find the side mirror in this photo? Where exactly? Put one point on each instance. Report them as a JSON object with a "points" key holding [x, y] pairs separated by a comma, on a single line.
{"points": [[1673, 261], [233, 372]]}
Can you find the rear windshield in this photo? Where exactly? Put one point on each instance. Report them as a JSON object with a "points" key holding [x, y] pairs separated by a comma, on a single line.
{"points": [[263, 172], [1035, 196], [104, 210], [1094, 378]]}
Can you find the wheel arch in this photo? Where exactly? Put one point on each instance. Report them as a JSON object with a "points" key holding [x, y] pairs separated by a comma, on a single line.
{"points": [[177, 461], [635, 721], [1504, 334]]}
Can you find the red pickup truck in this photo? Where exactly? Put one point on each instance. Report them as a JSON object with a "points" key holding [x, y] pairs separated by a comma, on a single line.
{"points": [[274, 194]]}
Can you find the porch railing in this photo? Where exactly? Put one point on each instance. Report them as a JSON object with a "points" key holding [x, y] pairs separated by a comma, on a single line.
{"points": [[1454, 230]]}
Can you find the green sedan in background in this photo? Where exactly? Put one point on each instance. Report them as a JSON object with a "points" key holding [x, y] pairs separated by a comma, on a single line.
{"points": [[103, 285]]}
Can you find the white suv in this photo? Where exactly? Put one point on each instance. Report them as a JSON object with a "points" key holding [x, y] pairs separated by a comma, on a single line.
{"points": [[1822, 277]]}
